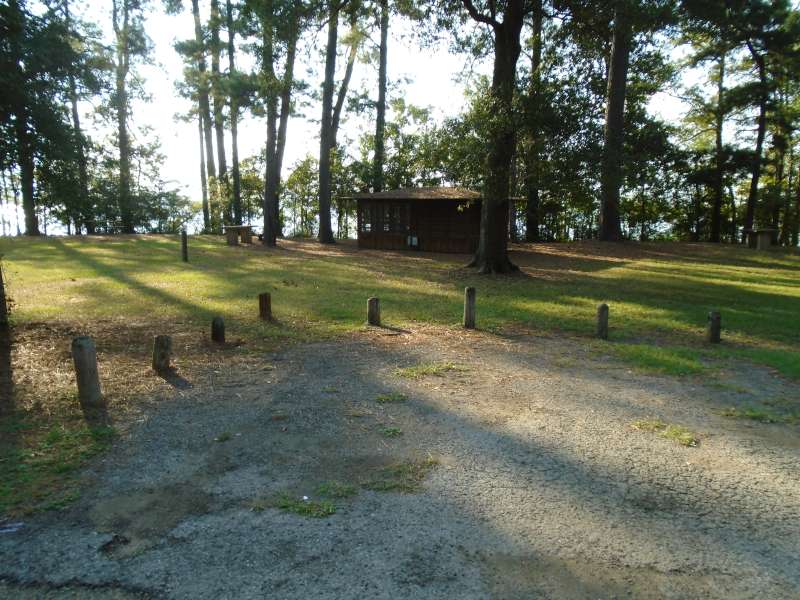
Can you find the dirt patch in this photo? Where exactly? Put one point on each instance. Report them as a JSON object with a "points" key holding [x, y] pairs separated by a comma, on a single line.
{"points": [[140, 519]]}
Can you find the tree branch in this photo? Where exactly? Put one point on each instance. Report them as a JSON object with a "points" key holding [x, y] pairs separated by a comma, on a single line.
{"points": [[477, 16]]}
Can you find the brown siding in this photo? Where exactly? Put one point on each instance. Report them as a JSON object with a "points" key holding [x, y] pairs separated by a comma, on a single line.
{"points": [[440, 225]]}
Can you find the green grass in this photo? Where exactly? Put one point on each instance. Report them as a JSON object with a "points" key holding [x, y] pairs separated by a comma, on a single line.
{"points": [[390, 398], [336, 489], [653, 289], [762, 415], [426, 369], [391, 432], [406, 477], [667, 360], [305, 508], [39, 474], [676, 433]]}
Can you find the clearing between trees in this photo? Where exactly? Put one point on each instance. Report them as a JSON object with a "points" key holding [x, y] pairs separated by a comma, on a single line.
{"points": [[317, 457]]}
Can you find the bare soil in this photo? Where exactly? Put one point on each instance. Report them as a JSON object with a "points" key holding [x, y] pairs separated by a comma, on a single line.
{"points": [[541, 488]]}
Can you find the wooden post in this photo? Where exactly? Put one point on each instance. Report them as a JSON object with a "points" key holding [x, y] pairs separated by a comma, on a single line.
{"points": [[162, 353], [84, 356], [3, 301], [469, 308], [265, 306], [218, 330], [232, 237], [184, 246], [714, 327], [374, 312], [602, 321]]}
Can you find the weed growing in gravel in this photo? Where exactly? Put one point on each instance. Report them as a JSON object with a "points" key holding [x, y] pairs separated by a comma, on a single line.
{"points": [[223, 437], [761, 415], [406, 477], [391, 432], [305, 508], [676, 433], [425, 369], [336, 489], [391, 397]]}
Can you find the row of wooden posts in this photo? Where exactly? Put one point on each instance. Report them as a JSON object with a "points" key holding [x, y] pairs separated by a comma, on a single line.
{"points": [[84, 354]]}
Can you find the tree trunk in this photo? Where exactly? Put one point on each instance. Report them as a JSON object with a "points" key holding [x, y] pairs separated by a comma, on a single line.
{"points": [[234, 107], [121, 68], [492, 254], [202, 91], [532, 156], [203, 182], [24, 137], [326, 131], [796, 221], [219, 102], [719, 116], [752, 197], [611, 177], [86, 209], [380, 118], [283, 120], [270, 180]]}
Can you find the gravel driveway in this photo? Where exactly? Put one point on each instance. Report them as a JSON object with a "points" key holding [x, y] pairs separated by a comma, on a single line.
{"points": [[495, 467]]}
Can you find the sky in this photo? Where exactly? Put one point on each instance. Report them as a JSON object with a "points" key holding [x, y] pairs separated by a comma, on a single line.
{"points": [[430, 77], [433, 75]]}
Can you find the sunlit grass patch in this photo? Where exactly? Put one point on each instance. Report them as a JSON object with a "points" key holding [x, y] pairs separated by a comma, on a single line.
{"points": [[668, 360], [426, 369], [391, 432], [677, 433], [406, 477]]}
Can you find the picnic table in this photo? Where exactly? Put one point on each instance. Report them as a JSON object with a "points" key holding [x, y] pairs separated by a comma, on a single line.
{"points": [[760, 239], [235, 232]]}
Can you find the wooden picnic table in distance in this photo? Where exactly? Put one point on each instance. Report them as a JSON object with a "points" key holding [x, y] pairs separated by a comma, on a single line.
{"points": [[760, 239], [234, 232]]}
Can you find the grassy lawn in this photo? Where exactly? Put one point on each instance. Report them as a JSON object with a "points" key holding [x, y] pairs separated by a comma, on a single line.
{"points": [[124, 290], [656, 291]]}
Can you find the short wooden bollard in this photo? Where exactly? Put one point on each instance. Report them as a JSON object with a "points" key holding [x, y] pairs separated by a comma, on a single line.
{"points": [[184, 246], [218, 330], [265, 307], [602, 321], [162, 353], [84, 356], [714, 327], [374, 312], [469, 308]]}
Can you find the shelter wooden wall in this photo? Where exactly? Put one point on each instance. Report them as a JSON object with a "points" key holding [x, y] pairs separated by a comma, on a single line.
{"points": [[438, 225]]}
